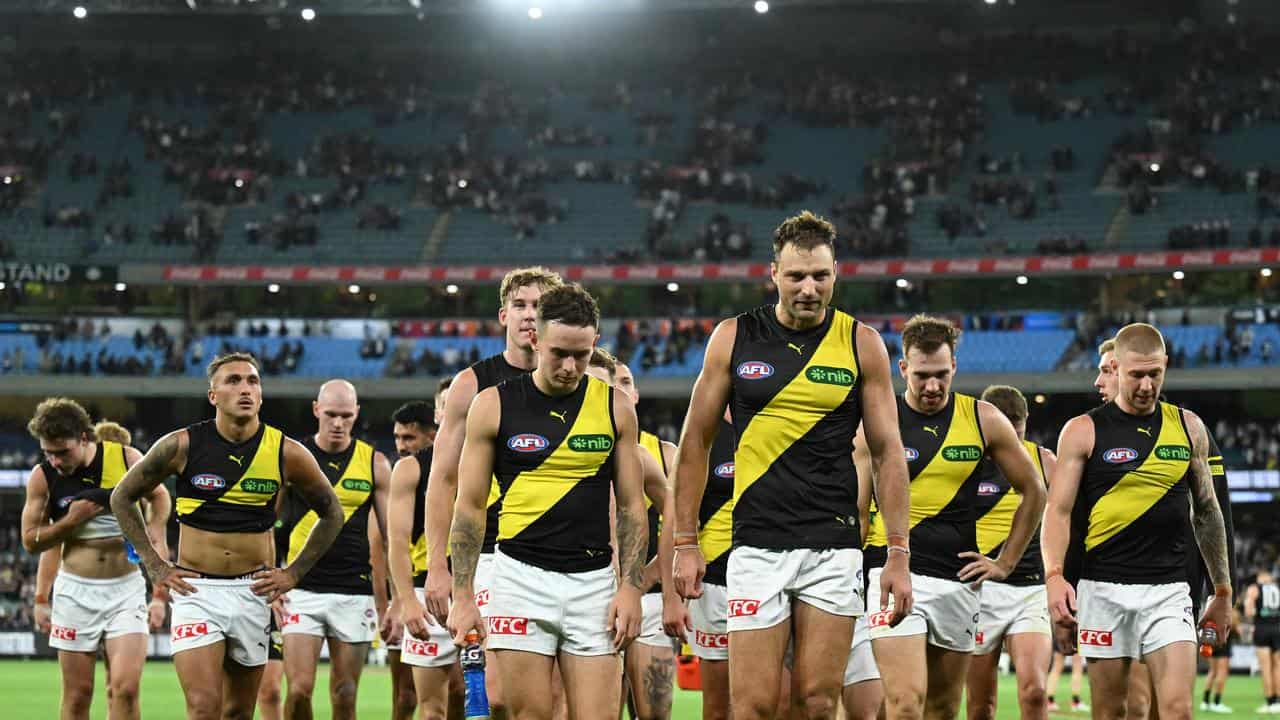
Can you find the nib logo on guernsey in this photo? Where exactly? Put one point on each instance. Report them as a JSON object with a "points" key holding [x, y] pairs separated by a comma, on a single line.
{"points": [[508, 626], [829, 375], [590, 443], [1097, 638], [711, 640], [743, 608], [190, 630], [962, 453]]}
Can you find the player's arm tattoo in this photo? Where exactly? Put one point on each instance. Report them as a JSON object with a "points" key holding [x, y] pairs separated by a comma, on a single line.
{"points": [[465, 540], [1207, 521], [164, 458], [306, 479], [632, 542]]}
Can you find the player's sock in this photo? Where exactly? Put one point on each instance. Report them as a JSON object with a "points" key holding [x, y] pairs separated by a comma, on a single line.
{"points": [[1206, 697], [1075, 699], [1051, 700], [1217, 698]]}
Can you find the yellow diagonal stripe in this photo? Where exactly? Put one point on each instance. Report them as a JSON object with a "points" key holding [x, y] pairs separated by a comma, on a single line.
{"points": [[1141, 488], [716, 535], [360, 468], [993, 527]]}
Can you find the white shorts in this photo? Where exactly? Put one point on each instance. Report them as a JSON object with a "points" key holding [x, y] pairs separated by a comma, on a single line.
{"points": [[222, 610], [545, 612], [482, 582], [944, 610], [347, 618], [861, 665], [1132, 621], [1010, 610], [763, 584], [88, 610], [651, 632], [710, 616], [435, 650]]}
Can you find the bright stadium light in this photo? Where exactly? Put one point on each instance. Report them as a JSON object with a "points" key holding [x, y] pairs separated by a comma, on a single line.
{"points": [[535, 13], [451, 289], [1178, 274], [2, 285], [1155, 167], [308, 14], [673, 287], [761, 6], [1265, 272], [79, 12], [353, 289], [990, 2], [902, 283], [1022, 280], [273, 288], [121, 287], [1040, 399]]}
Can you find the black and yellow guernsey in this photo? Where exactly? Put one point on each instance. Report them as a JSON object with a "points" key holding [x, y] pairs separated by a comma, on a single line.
{"points": [[715, 514], [229, 487], [1135, 496], [554, 463], [344, 568], [93, 482], [417, 536], [492, 371], [652, 444], [997, 502], [944, 452], [796, 408]]}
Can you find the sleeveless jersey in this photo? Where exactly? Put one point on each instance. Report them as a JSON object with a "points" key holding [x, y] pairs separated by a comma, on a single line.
{"points": [[944, 452], [92, 482], [1268, 605], [554, 463], [1135, 497], [230, 487], [417, 536], [344, 568], [715, 514], [996, 504], [653, 445], [795, 408], [491, 371]]}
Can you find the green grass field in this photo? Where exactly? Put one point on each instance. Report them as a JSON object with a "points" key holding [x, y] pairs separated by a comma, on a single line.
{"points": [[29, 691]]}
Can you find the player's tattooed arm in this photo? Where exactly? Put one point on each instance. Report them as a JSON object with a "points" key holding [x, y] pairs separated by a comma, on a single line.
{"points": [[167, 457], [1207, 521], [306, 479], [474, 477], [633, 522]]}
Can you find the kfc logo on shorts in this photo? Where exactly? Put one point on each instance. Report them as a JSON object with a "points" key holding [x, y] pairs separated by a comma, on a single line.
{"points": [[743, 608], [292, 619], [1098, 638], [508, 626], [482, 598], [879, 619], [979, 638], [190, 630], [58, 632], [414, 646], [711, 640]]}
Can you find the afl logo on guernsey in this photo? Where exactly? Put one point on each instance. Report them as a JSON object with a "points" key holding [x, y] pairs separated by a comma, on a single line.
{"points": [[754, 370], [208, 482], [1119, 456], [527, 443], [65, 502], [912, 454], [988, 488], [725, 470]]}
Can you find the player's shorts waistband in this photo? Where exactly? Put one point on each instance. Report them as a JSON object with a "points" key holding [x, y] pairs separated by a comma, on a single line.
{"points": [[215, 576], [98, 581]]}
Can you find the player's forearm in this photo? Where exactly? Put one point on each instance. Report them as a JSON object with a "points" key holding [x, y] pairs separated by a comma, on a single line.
{"points": [[1211, 536], [322, 535], [46, 570], [633, 538], [442, 491], [44, 537], [378, 574], [690, 484], [666, 545], [1055, 535], [893, 499], [465, 540], [399, 561]]}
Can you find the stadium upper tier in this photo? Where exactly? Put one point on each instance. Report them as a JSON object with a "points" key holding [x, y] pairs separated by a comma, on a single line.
{"points": [[296, 161]]}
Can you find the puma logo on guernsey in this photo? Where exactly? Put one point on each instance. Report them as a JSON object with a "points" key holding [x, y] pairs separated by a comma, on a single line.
{"points": [[561, 416], [335, 466], [931, 429], [1145, 431], [798, 348], [239, 461]]}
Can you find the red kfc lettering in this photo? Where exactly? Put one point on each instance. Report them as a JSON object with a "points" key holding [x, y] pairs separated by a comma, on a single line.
{"points": [[58, 632], [190, 630], [482, 598], [979, 637], [1099, 638], [292, 618], [743, 608], [879, 619], [509, 626], [414, 646], [711, 640]]}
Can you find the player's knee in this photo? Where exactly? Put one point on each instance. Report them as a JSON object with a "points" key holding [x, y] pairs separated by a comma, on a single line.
{"points": [[406, 700], [942, 706], [431, 711], [1032, 697], [237, 713], [817, 704], [269, 695], [77, 697], [749, 706], [981, 710], [904, 703], [203, 704], [1176, 708], [124, 694], [343, 693]]}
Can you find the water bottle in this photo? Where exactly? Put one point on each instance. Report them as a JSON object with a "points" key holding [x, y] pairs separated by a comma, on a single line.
{"points": [[131, 553], [1208, 638], [472, 661]]}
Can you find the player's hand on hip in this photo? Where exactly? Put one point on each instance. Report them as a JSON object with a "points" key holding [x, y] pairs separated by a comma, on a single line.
{"points": [[438, 589], [687, 574], [171, 577], [980, 568], [1062, 601], [625, 616], [273, 582], [895, 582], [464, 617], [1218, 612], [676, 621]]}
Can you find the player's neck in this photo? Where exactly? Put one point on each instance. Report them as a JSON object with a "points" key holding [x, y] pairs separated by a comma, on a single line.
{"points": [[544, 386], [88, 461], [791, 323], [914, 404], [1128, 409], [235, 430], [333, 447], [519, 357]]}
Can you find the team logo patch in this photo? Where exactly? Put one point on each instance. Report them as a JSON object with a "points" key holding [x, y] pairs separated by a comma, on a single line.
{"points": [[528, 443], [754, 370], [988, 488], [911, 453], [979, 638], [190, 630], [590, 443], [830, 375], [1173, 452], [711, 640], [259, 486], [368, 612], [66, 501], [357, 485], [206, 481], [1097, 638], [59, 632], [1119, 456], [725, 470], [292, 618], [414, 646], [743, 608], [962, 453], [482, 598], [508, 626], [879, 619]]}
